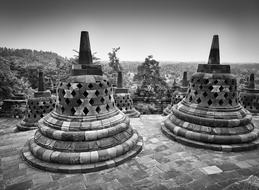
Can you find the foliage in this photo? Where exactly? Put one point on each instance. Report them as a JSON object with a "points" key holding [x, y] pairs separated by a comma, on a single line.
{"points": [[149, 75], [114, 60]]}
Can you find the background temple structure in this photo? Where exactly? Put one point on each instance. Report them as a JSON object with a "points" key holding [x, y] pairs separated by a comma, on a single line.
{"points": [[210, 116], [123, 98], [85, 132], [37, 106], [14, 106], [249, 96], [178, 94]]}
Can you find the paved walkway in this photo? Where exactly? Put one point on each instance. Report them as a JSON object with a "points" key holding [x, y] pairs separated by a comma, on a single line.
{"points": [[163, 164]]}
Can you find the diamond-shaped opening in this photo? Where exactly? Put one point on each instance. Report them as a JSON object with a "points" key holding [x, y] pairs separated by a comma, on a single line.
{"points": [[85, 110], [209, 102], [215, 81], [201, 87], [110, 97], [190, 99], [230, 88], [85, 93], [233, 81], [226, 95], [79, 102], [100, 84], [193, 85], [41, 115], [79, 85], [234, 94], [97, 93], [63, 92], [198, 80], [67, 101], [108, 83], [221, 88], [196, 92], [91, 101], [230, 101], [107, 107], [198, 100], [226, 81], [205, 94], [98, 109], [206, 81], [189, 91], [90, 85], [73, 93], [73, 111], [68, 85], [221, 102], [102, 100], [118, 105], [62, 109], [106, 91], [216, 94], [210, 88]]}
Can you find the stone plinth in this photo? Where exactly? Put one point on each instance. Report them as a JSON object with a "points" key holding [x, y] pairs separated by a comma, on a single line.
{"points": [[14, 107], [210, 115], [85, 132]]}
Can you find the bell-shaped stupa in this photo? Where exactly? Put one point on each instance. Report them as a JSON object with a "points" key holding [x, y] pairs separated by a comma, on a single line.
{"points": [[210, 116], [85, 132], [37, 107], [123, 99], [249, 96], [178, 94]]}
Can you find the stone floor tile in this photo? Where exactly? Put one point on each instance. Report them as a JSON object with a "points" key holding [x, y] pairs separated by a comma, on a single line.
{"points": [[211, 170], [243, 164]]}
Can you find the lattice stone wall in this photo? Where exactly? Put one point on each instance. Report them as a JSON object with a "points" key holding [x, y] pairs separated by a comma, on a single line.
{"points": [[217, 91]]}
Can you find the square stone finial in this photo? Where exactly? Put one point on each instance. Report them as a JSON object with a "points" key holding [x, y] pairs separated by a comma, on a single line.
{"points": [[214, 57]]}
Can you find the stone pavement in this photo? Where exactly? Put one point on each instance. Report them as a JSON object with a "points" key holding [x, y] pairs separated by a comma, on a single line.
{"points": [[163, 164]]}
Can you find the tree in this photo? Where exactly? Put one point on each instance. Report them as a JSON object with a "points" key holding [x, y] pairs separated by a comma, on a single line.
{"points": [[114, 62], [149, 75]]}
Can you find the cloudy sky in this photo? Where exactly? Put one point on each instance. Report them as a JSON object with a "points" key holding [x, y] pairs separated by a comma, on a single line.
{"points": [[171, 30]]}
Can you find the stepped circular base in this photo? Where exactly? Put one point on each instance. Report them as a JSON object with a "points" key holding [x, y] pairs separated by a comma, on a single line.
{"points": [[167, 110], [212, 146], [24, 126], [80, 168], [133, 113]]}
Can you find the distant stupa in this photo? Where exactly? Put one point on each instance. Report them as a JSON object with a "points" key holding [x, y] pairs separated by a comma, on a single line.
{"points": [[249, 96], [37, 107], [210, 116], [123, 98], [85, 132]]}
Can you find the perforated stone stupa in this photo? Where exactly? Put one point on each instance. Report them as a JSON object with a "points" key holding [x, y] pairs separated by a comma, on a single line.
{"points": [[249, 96], [85, 132], [178, 94], [123, 99], [37, 106], [210, 116]]}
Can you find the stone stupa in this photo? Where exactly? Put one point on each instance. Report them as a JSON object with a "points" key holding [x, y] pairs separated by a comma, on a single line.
{"points": [[123, 99], [37, 107], [85, 132], [249, 96], [210, 116], [178, 94]]}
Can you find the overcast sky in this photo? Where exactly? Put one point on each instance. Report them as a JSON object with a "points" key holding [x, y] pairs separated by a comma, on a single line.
{"points": [[173, 30]]}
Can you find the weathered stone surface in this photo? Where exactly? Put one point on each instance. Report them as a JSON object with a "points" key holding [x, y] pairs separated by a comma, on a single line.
{"points": [[85, 132], [123, 99], [210, 115], [249, 97], [37, 107]]}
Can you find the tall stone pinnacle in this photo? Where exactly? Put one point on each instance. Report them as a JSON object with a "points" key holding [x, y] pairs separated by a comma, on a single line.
{"points": [[85, 55], [41, 81], [119, 80], [214, 57], [184, 82], [252, 81], [85, 64]]}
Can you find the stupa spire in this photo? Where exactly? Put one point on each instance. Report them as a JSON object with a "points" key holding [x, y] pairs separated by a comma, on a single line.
{"points": [[119, 80], [214, 57], [184, 81], [41, 81], [85, 55], [252, 81]]}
